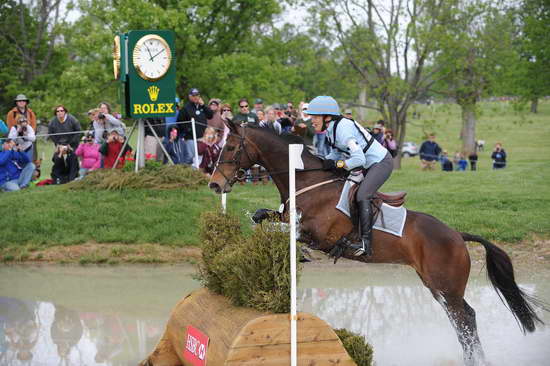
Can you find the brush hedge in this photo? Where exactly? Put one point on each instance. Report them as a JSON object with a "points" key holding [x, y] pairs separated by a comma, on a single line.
{"points": [[150, 177], [359, 350], [252, 270]]}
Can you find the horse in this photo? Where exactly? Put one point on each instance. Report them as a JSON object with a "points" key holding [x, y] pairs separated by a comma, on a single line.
{"points": [[437, 253]]}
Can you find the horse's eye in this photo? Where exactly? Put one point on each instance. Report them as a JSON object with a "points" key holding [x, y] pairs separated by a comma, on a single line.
{"points": [[230, 148]]}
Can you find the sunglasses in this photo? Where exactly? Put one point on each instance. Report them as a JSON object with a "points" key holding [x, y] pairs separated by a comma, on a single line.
{"points": [[60, 110], [226, 110], [243, 106]]}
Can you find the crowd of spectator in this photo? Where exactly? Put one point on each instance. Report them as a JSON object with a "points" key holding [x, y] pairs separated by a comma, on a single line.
{"points": [[172, 139]]}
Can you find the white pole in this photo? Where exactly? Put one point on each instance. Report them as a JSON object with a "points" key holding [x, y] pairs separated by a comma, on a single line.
{"points": [[224, 202], [294, 161], [196, 158]]}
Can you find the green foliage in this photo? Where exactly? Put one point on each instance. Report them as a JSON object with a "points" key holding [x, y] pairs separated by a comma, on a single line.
{"points": [[357, 347], [252, 270], [153, 176]]}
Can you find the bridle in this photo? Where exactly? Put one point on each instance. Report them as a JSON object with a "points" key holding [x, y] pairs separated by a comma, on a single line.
{"points": [[241, 173]]}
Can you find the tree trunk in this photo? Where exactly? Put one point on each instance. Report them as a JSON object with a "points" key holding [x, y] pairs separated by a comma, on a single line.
{"points": [[398, 123], [534, 105], [468, 128], [362, 112]]}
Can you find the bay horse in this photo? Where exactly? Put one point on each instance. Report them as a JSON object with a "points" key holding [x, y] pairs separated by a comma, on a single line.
{"points": [[437, 253]]}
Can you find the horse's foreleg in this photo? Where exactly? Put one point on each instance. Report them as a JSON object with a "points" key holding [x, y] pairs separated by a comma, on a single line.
{"points": [[463, 319]]}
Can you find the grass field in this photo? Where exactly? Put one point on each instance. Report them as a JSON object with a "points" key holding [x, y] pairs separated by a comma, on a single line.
{"points": [[509, 205]]}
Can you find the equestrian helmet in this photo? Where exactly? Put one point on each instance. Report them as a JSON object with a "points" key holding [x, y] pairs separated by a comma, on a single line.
{"points": [[323, 105]]}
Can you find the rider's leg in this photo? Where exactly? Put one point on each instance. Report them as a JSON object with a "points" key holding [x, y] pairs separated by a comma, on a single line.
{"points": [[376, 176]]}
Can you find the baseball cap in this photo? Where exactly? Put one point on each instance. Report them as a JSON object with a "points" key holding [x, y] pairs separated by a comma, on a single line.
{"points": [[259, 101], [348, 111], [194, 91]]}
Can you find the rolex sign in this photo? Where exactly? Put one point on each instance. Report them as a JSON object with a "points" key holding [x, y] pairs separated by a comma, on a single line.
{"points": [[147, 72]]}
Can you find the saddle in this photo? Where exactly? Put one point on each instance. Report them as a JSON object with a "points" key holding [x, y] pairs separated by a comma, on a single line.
{"points": [[394, 199]]}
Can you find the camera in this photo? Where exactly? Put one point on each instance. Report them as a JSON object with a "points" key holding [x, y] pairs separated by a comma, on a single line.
{"points": [[101, 116]]}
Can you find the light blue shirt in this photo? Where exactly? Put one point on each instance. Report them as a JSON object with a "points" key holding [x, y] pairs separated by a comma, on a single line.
{"points": [[348, 136]]}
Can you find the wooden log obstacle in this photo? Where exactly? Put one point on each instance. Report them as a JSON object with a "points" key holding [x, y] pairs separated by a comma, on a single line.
{"points": [[243, 336]]}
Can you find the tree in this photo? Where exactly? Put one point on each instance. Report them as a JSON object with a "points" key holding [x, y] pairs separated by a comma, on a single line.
{"points": [[475, 52], [388, 47]]}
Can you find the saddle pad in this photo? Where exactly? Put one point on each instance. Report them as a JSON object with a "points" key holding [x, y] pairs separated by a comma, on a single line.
{"points": [[390, 219]]}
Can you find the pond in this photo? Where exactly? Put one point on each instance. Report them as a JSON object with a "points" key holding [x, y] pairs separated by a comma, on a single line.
{"points": [[52, 315]]}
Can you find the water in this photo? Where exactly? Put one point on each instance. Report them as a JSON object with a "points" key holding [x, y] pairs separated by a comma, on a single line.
{"points": [[68, 315]]}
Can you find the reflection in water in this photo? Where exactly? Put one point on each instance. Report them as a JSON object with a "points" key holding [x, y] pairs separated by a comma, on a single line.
{"points": [[108, 316], [407, 326]]}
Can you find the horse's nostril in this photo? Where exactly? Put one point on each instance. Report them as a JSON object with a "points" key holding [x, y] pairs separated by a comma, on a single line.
{"points": [[215, 186]]}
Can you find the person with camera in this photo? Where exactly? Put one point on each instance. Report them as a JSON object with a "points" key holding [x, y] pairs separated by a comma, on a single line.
{"points": [[499, 157], [103, 124], [389, 143], [16, 168], [64, 128], [175, 147], [65, 165], [90, 158], [111, 149], [24, 136]]}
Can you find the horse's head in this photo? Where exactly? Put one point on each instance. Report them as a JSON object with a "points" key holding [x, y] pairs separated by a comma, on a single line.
{"points": [[236, 157]]}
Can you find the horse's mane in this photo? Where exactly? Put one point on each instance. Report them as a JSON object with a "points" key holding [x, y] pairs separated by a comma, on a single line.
{"points": [[285, 137]]}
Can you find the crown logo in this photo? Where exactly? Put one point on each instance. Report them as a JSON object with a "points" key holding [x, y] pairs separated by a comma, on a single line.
{"points": [[153, 92]]}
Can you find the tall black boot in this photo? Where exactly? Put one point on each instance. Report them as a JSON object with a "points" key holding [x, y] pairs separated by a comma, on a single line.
{"points": [[365, 218]]}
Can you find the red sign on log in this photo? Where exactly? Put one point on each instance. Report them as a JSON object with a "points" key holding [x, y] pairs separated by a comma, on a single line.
{"points": [[196, 347]]}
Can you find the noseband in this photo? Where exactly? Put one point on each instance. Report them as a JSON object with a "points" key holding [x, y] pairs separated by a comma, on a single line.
{"points": [[241, 173]]}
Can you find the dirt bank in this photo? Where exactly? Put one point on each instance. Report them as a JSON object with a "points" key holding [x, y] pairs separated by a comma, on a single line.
{"points": [[535, 252]]}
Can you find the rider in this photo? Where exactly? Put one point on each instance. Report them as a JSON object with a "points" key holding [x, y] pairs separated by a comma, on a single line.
{"points": [[353, 147]]}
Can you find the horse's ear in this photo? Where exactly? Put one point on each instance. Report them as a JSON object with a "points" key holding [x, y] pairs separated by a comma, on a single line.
{"points": [[230, 124]]}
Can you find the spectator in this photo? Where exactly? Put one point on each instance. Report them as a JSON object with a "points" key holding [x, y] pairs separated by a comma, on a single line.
{"points": [[389, 143], [291, 112], [105, 108], [244, 115], [473, 160], [499, 157], [175, 147], [378, 131], [480, 145], [261, 116], [151, 146], [302, 126], [216, 122], [209, 150], [64, 128], [16, 169], [172, 121], [65, 165], [22, 109], [24, 136], [446, 164], [429, 153], [3, 131], [258, 106], [194, 108], [462, 163], [456, 159], [348, 113], [104, 123], [110, 149], [90, 158], [271, 121], [226, 113]]}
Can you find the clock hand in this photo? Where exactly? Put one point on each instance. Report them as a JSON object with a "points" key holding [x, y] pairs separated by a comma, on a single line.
{"points": [[157, 54], [149, 52]]}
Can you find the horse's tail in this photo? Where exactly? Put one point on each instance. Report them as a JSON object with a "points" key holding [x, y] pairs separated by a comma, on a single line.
{"points": [[501, 273]]}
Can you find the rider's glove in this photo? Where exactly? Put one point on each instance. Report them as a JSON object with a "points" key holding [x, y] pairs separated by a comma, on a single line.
{"points": [[329, 164]]}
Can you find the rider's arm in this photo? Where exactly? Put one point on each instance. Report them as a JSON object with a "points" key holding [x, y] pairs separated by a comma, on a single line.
{"points": [[357, 157], [334, 155]]}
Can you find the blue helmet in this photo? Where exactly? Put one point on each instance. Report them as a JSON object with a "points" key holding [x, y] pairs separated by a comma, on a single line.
{"points": [[323, 105]]}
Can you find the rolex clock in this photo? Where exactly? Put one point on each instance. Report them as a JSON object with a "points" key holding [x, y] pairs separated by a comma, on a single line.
{"points": [[152, 57], [116, 56]]}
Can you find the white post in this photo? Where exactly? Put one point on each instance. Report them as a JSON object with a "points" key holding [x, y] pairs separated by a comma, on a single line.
{"points": [[294, 162], [140, 153], [224, 202], [196, 158]]}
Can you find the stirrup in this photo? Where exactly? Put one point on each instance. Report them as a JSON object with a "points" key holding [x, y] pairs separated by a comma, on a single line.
{"points": [[359, 248]]}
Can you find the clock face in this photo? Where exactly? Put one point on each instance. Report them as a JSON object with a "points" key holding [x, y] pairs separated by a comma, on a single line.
{"points": [[152, 57]]}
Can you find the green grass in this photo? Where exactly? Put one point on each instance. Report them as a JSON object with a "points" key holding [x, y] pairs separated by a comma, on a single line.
{"points": [[508, 205]]}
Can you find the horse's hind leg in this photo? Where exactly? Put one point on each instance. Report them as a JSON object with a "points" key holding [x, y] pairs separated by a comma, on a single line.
{"points": [[463, 319]]}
